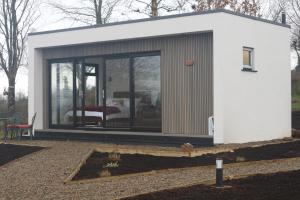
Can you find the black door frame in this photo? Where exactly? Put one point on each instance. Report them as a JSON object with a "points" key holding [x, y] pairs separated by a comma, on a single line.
{"points": [[83, 79], [76, 60]]}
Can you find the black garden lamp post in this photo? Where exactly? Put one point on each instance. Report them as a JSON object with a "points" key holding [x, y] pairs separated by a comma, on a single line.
{"points": [[219, 173]]}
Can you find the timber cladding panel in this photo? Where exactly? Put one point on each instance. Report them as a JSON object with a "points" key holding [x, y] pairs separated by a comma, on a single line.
{"points": [[187, 91]]}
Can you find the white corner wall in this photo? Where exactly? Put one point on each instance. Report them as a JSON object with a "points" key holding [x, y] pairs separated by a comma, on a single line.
{"points": [[251, 106], [36, 103]]}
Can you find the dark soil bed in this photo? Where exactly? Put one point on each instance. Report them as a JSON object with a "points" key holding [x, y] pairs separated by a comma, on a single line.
{"points": [[278, 186], [9, 152], [135, 163]]}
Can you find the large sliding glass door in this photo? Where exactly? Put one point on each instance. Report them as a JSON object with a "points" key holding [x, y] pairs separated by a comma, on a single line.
{"points": [[113, 92]]}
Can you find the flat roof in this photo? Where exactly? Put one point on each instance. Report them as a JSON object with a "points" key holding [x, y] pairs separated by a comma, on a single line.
{"points": [[163, 17]]}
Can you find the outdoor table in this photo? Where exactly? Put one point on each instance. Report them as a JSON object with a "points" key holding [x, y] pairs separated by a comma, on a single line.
{"points": [[5, 120]]}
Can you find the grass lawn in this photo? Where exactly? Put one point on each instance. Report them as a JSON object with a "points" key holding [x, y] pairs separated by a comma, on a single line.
{"points": [[1, 133], [295, 102]]}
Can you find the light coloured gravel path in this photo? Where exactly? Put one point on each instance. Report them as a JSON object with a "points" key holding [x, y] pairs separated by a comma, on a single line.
{"points": [[41, 175]]}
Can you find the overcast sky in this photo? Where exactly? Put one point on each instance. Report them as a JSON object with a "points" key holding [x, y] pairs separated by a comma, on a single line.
{"points": [[50, 19]]}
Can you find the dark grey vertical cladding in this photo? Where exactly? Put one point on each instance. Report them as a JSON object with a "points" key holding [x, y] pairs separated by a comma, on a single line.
{"points": [[187, 92]]}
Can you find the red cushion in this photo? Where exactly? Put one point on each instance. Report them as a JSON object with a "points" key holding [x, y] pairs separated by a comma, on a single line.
{"points": [[11, 126], [23, 126]]}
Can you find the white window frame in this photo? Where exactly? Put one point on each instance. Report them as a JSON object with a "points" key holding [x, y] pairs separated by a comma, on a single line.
{"points": [[251, 66]]}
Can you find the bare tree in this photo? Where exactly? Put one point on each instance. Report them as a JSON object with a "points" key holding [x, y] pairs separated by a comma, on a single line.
{"points": [[294, 14], [294, 19], [154, 8], [16, 20], [249, 7], [295, 44], [89, 11], [274, 8]]}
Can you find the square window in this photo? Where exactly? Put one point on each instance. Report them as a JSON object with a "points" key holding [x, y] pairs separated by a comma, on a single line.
{"points": [[248, 58]]}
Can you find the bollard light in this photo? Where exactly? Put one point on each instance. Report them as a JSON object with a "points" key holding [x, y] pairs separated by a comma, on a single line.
{"points": [[219, 172]]}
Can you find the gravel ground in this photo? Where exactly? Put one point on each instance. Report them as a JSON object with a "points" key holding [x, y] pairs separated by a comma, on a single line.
{"points": [[41, 175]]}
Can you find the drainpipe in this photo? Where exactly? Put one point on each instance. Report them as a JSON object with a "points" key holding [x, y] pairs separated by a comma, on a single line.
{"points": [[211, 128]]}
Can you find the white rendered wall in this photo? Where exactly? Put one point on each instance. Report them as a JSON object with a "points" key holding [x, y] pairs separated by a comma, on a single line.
{"points": [[36, 84], [247, 106], [252, 106]]}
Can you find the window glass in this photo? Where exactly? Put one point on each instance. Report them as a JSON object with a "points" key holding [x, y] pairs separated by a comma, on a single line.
{"points": [[90, 69], [117, 93], [90, 91], [247, 57], [147, 92], [62, 93]]}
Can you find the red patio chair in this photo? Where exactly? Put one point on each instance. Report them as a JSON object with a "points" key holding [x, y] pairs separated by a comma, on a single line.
{"points": [[26, 127]]}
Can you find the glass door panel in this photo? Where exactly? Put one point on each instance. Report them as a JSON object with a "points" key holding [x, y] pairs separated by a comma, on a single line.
{"points": [[147, 92], [90, 91], [62, 93], [117, 93], [79, 94]]}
